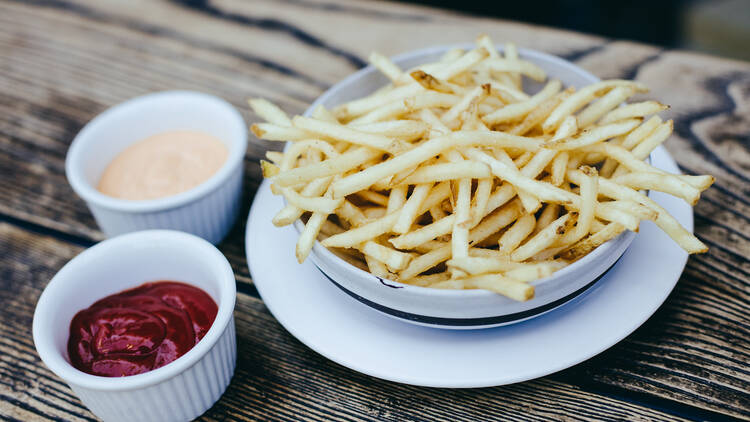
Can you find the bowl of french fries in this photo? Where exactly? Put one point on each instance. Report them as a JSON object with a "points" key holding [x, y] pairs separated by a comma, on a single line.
{"points": [[471, 186]]}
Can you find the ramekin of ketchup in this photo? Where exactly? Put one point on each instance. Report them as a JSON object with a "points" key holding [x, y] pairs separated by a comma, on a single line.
{"points": [[160, 351], [140, 329]]}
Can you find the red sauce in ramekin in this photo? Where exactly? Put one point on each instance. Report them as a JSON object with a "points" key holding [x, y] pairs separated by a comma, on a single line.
{"points": [[140, 329]]}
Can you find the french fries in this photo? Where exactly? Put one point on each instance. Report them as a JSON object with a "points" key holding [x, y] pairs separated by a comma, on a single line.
{"points": [[452, 177]]}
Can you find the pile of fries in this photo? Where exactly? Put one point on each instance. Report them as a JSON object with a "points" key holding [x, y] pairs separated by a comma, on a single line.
{"points": [[453, 177]]}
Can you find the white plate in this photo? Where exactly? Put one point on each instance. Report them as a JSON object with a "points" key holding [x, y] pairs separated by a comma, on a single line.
{"points": [[338, 327]]}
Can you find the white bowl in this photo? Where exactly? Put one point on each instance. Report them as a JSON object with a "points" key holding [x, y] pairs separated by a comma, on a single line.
{"points": [[178, 391], [208, 210], [462, 309]]}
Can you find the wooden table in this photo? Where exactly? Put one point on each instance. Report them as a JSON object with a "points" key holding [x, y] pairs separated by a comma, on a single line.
{"points": [[64, 61]]}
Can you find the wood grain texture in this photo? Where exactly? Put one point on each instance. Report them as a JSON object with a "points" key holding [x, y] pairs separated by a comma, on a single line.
{"points": [[64, 61]]}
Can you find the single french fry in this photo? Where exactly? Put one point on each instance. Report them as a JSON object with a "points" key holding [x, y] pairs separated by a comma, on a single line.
{"points": [[660, 182], [397, 198], [630, 111], [593, 241], [540, 113], [494, 222], [379, 269], [351, 214], [363, 233], [398, 178], [336, 165], [559, 166], [372, 213], [511, 53], [309, 235], [430, 246], [437, 127], [425, 151], [513, 176], [497, 283], [600, 107], [521, 109], [329, 228], [621, 213], [516, 66], [448, 171], [541, 240], [481, 200], [523, 159], [347, 134], [373, 229], [505, 93], [275, 157], [538, 162], [549, 214], [385, 66], [411, 207], [405, 130], [482, 265], [424, 234], [516, 234], [535, 271], [432, 83], [460, 230], [634, 209], [274, 132], [427, 280], [322, 113], [393, 259], [269, 170], [530, 202], [653, 140], [573, 103], [700, 182], [472, 97], [426, 261], [499, 197], [461, 64], [269, 112], [437, 213], [638, 134], [626, 158], [595, 135], [374, 197], [291, 213], [352, 256], [419, 101], [589, 187], [350, 110], [315, 204], [484, 41]]}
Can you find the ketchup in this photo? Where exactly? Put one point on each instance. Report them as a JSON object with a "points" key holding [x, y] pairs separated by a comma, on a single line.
{"points": [[140, 329]]}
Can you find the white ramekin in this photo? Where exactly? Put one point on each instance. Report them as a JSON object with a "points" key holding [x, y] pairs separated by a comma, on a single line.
{"points": [[208, 210], [462, 309], [178, 391]]}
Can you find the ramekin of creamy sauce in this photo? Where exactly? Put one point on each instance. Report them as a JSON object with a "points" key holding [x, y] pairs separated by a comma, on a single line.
{"points": [[168, 160], [162, 165]]}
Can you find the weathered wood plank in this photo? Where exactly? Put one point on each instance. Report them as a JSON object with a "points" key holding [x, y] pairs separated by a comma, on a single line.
{"points": [[53, 79], [277, 377]]}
